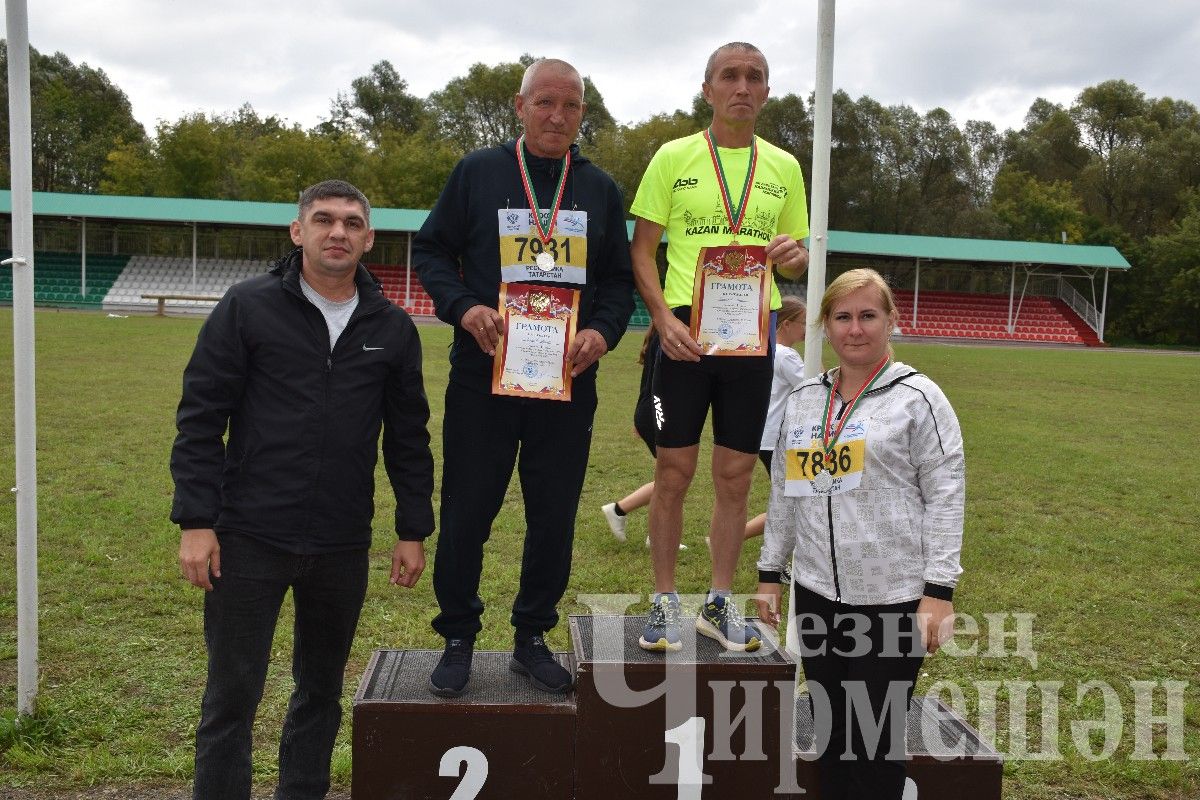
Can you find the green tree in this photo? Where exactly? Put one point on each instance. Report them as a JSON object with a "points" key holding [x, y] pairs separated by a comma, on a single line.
{"points": [[195, 157], [1049, 146], [597, 117], [130, 169], [1036, 211], [78, 115], [859, 194], [278, 164], [785, 123], [340, 121], [1164, 303], [476, 110], [1114, 128], [409, 170], [382, 102], [624, 151], [985, 148]]}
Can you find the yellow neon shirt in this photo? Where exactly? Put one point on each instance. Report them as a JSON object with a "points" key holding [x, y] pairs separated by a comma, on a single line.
{"points": [[681, 192]]}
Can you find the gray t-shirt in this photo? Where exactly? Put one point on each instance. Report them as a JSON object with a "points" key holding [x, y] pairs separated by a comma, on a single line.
{"points": [[336, 313]]}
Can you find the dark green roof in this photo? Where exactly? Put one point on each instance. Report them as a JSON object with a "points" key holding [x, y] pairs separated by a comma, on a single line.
{"points": [[847, 243], [181, 209], [843, 243]]}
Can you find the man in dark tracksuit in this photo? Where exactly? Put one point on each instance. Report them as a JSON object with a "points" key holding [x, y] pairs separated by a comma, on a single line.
{"points": [[462, 254], [304, 365]]}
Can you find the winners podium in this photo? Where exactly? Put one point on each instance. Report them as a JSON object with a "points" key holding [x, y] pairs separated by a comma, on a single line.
{"points": [[699, 724]]}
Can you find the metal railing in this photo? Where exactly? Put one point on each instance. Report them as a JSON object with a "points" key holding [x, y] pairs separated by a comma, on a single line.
{"points": [[1079, 304]]}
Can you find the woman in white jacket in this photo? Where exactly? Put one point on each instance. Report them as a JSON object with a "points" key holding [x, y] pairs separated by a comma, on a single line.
{"points": [[867, 497]]}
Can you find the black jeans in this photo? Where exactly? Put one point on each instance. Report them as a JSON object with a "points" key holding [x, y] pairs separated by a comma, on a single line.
{"points": [[482, 434], [239, 622], [865, 658]]}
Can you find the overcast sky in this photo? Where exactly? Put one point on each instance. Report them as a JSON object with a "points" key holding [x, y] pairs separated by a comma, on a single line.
{"points": [[978, 60]]}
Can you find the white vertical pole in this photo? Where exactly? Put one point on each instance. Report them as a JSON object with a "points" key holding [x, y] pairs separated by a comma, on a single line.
{"points": [[916, 293], [21, 167], [193, 258], [1104, 306], [818, 243], [1012, 290], [408, 276], [83, 257]]}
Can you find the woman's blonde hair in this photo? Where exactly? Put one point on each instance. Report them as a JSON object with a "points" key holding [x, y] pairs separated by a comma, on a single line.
{"points": [[850, 282]]}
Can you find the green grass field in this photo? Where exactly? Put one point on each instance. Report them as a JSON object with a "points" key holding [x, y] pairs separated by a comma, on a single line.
{"points": [[1082, 507]]}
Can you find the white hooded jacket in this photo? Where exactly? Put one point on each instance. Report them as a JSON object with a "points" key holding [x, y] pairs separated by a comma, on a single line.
{"points": [[897, 535]]}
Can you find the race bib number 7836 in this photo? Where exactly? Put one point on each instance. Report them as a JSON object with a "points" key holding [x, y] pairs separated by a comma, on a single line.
{"points": [[805, 459]]}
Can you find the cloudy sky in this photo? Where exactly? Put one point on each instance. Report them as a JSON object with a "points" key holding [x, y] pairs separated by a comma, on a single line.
{"points": [[978, 60]]}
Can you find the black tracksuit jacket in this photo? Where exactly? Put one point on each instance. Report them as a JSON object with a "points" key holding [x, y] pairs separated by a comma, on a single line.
{"points": [[457, 252], [298, 470]]}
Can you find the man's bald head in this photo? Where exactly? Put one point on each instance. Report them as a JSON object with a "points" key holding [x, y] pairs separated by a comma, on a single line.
{"points": [[745, 47], [548, 65]]}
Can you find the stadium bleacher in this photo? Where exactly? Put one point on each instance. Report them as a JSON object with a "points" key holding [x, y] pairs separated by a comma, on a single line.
{"points": [[958, 315], [406, 292], [170, 275], [57, 278]]}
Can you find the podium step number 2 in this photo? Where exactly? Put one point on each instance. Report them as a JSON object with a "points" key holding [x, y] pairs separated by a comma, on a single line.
{"points": [[474, 771]]}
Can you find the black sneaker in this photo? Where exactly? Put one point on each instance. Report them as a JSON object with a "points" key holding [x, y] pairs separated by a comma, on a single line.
{"points": [[453, 670], [533, 659]]}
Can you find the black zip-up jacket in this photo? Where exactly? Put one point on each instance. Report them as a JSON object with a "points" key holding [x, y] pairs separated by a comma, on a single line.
{"points": [[457, 252], [298, 470]]}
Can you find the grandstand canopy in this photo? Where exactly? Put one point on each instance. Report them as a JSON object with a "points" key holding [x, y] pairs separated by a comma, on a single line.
{"points": [[975, 250], [180, 209]]}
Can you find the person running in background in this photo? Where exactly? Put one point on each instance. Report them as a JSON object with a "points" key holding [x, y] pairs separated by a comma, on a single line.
{"points": [[788, 374]]}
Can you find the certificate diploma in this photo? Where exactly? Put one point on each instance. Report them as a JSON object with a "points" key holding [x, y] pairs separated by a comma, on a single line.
{"points": [[731, 300], [539, 325]]}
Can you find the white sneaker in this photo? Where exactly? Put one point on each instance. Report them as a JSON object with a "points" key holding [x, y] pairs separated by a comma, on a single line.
{"points": [[616, 522], [682, 546]]}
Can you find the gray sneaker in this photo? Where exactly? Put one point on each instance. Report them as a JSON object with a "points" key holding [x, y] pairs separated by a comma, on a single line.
{"points": [[662, 631], [721, 621], [616, 522]]}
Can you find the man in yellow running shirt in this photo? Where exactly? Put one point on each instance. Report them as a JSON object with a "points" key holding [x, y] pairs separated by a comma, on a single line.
{"points": [[714, 188]]}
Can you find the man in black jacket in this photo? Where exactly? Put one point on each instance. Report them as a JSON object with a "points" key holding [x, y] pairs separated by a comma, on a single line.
{"points": [[465, 249], [304, 365]]}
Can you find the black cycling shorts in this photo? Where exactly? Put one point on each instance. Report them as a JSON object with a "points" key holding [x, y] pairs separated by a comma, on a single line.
{"points": [[738, 388]]}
